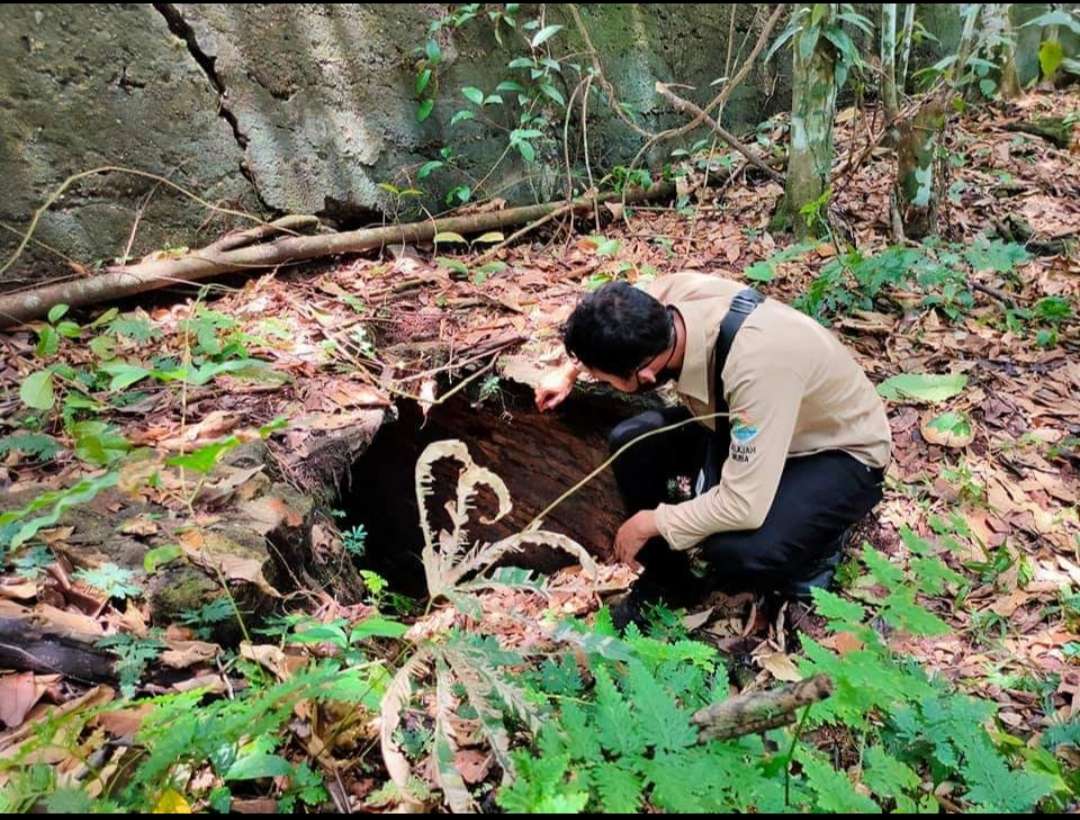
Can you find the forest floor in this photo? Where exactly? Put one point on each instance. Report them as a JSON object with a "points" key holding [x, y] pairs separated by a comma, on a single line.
{"points": [[997, 502]]}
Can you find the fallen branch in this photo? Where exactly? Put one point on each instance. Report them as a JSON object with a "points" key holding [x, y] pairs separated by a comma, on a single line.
{"points": [[24, 646], [687, 107], [207, 262], [759, 711]]}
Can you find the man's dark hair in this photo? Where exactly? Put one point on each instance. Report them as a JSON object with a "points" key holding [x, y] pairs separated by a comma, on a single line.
{"points": [[617, 329]]}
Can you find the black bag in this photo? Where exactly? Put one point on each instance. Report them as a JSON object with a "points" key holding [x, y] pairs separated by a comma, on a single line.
{"points": [[742, 306]]}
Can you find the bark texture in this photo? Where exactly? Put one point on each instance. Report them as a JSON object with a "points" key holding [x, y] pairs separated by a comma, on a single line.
{"points": [[813, 110]]}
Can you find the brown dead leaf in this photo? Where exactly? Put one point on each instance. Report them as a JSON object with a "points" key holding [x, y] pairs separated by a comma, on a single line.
{"points": [[842, 643], [214, 426], [123, 722], [780, 666], [182, 654], [18, 694], [271, 657], [134, 620], [233, 567], [139, 525], [473, 764], [56, 535], [270, 512], [211, 681], [1006, 606], [66, 622], [19, 591], [697, 620]]}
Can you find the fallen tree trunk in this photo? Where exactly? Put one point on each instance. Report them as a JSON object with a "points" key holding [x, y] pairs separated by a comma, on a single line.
{"points": [[212, 261], [24, 646], [759, 711]]}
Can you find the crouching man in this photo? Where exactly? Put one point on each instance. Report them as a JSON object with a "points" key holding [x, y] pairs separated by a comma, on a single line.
{"points": [[761, 498]]}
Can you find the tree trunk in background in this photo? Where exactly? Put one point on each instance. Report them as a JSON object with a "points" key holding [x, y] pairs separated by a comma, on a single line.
{"points": [[955, 74], [916, 189], [813, 109], [997, 20], [888, 62], [917, 192], [906, 32]]}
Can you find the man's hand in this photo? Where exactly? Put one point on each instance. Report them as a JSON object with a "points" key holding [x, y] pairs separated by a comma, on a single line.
{"points": [[555, 386], [632, 536]]}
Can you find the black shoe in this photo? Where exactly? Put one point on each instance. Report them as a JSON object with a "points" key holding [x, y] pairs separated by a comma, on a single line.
{"points": [[820, 574], [631, 607], [627, 611]]}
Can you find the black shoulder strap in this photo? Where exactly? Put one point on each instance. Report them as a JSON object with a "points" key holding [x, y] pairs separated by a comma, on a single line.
{"points": [[742, 305]]}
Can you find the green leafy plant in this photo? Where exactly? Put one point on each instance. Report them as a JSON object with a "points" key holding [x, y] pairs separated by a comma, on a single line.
{"points": [[133, 655], [113, 581], [37, 446]]}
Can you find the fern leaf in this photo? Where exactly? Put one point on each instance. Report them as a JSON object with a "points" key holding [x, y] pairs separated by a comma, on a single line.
{"points": [[834, 790], [481, 692], [593, 642], [488, 555], [900, 610], [835, 609], [509, 578], [887, 776], [1066, 733], [397, 695], [449, 779], [34, 445], [884, 571], [618, 726], [619, 788], [994, 787], [662, 720]]}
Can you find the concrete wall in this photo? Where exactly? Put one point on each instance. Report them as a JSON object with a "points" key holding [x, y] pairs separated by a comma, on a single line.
{"points": [[307, 108]]}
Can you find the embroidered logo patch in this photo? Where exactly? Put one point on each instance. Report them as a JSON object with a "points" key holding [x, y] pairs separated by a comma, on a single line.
{"points": [[742, 436], [742, 430]]}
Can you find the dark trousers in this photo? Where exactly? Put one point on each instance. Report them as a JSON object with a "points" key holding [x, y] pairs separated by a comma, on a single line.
{"points": [[820, 496]]}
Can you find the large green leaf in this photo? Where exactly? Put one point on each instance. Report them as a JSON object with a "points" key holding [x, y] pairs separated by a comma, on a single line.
{"points": [[922, 387], [98, 443], [259, 765], [36, 390], [544, 35], [204, 459], [1051, 55], [123, 374]]}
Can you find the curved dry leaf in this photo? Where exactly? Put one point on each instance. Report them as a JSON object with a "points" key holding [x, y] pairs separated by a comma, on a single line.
{"points": [[487, 556], [444, 747], [397, 695], [182, 654]]}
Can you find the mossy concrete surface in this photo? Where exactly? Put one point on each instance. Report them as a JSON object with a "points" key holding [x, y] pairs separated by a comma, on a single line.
{"points": [[307, 108]]}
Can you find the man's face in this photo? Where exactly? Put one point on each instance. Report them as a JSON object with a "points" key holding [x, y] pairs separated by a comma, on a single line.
{"points": [[642, 380]]}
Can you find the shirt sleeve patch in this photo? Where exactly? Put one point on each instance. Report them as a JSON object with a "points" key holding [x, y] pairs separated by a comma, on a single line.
{"points": [[743, 433]]}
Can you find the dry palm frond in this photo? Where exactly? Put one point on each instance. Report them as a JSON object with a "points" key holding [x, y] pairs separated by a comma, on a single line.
{"points": [[397, 695], [444, 746]]}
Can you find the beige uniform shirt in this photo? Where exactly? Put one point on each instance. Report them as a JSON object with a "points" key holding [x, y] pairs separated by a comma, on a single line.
{"points": [[792, 388]]}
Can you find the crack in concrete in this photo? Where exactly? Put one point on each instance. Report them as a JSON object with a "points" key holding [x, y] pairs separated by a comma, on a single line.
{"points": [[182, 29]]}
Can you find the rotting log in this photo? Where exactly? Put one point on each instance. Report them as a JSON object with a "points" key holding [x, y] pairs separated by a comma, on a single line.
{"points": [[27, 647], [759, 711], [538, 455], [211, 261]]}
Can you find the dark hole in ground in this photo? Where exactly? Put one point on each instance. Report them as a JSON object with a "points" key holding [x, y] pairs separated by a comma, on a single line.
{"points": [[538, 456]]}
